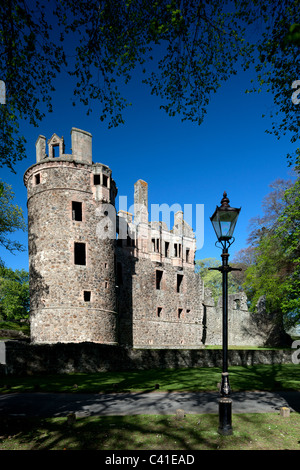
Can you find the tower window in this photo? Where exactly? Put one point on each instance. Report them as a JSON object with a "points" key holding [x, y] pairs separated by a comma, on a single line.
{"points": [[77, 210], [55, 151], [96, 180], [179, 312], [187, 255], [87, 295], [159, 275], [179, 282], [79, 253], [159, 311], [105, 180], [37, 178]]}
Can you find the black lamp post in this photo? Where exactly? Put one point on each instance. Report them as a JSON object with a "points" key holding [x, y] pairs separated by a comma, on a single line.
{"points": [[224, 220]]}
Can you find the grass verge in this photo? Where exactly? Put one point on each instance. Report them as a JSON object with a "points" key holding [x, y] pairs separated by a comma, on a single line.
{"points": [[268, 431], [258, 377]]}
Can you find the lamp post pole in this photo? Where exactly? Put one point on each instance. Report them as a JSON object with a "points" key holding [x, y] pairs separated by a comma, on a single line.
{"points": [[224, 220]]}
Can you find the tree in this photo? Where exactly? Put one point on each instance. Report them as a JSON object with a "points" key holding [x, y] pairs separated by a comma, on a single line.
{"points": [[273, 205], [185, 49], [14, 294], [213, 279], [275, 269], [11, 219]]}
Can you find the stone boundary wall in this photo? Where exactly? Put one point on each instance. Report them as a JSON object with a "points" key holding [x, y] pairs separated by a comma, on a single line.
{"points": [[21, 358]]}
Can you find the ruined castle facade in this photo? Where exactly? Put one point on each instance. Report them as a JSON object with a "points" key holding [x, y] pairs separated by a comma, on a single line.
{"points": [[98, 276]]}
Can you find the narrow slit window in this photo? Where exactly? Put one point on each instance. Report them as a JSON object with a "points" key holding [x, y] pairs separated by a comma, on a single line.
{"points": [[79, 254], [37, 178], [96, 180], [187, 255], [180, 312], [77, 211], [159, 275], [175, 250], [87, 295], [159, 311], [179, 282]]}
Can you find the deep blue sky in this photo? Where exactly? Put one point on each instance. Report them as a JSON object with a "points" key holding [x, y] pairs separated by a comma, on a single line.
{"points": [[183, 163]]}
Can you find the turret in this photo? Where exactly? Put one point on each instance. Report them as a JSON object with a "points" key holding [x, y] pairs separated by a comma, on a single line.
{"points": [[72, 262]]}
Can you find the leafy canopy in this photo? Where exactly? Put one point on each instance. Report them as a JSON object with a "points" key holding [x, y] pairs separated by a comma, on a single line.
{"points": [[14, 294], [185, 50], [274, 270], [11, 219]]}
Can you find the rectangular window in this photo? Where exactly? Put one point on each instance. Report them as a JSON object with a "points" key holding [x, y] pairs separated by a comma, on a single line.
{"points": [[159, 311], [105, 180], [179, 312], [55, 151], [77, 211], [179, 282], [79, 254], [159, 275], [87, 295], [155, 245], [177, 250], [167, 249], [187, 255], [37, 179], [96, 180]]}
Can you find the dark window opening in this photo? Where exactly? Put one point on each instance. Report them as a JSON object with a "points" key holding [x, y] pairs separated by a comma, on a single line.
{"points": [[77, 210], [105, 180], [179, 282], [96, 180], [55, 151], [180, 310], [106, 284], [159, 311], [188, 310], [87, 295], [159, 275], [155, 245], [79, 253], [237, 304], [187, 255], [177, 250], [37, 179], [167, 249]]}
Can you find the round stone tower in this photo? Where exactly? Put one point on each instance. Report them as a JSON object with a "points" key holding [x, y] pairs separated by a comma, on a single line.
{"points": [[71, 231]]}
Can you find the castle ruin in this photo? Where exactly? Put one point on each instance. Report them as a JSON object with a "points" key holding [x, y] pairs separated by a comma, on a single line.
{"points": [[116, 279]]}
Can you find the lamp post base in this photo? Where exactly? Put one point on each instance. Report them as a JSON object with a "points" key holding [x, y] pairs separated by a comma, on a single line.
{"points": [[225, 427]]}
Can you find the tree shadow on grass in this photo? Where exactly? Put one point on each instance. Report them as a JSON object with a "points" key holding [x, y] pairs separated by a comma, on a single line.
{"points": [[111, 433]]}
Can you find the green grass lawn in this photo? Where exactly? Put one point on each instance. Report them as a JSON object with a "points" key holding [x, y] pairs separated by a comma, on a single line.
{"points": [[258, 377], [251, 431], [257, 431]]}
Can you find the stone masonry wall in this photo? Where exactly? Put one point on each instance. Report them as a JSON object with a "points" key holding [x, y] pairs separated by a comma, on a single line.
{"points": [[20, 358], [59, 309]]}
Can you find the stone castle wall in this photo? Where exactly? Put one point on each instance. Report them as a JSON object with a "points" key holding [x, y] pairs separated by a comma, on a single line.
{"points": [[138, 291], [72, 273]]}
